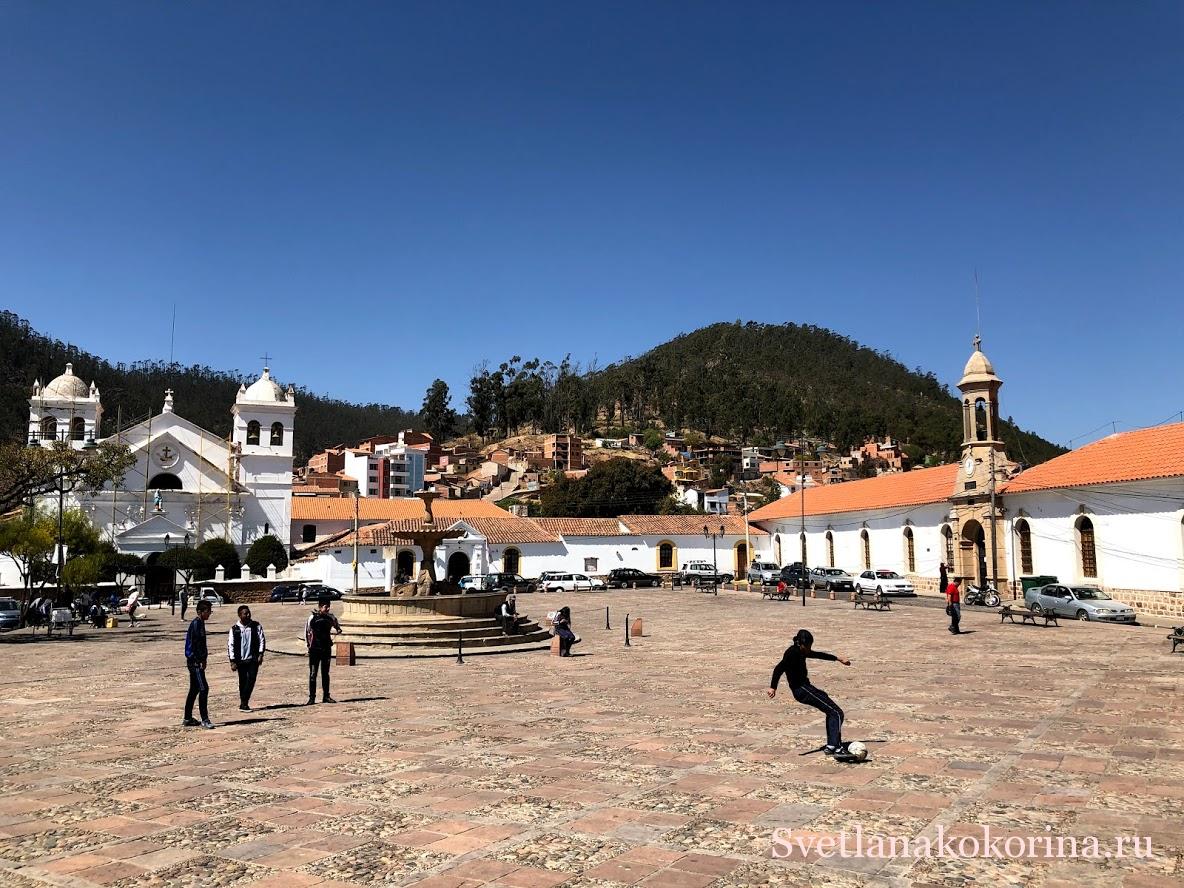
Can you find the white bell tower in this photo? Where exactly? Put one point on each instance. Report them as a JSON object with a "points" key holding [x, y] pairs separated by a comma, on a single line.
{"points": [[264, 418], [66, 409]]}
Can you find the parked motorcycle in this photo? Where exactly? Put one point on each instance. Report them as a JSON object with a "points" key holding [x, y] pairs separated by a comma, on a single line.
{"points": [[987, 596]]}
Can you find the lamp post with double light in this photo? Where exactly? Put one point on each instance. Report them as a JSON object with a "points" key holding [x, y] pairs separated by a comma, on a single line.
{"points": [[713, 536]]}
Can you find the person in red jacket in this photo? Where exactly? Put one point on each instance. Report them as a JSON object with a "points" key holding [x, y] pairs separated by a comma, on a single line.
{"points": [[954, 606]]}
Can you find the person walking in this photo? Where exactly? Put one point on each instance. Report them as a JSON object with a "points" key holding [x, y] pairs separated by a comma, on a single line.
{"points": [[317, 634], [793, 667], [183, 594], [943, 578], [567, 636], [954, 606], [245, 645], [133, 604], [196, 654]]}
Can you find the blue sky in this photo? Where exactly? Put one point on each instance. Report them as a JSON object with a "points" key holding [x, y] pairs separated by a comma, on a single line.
{"points": [[379, 194]]}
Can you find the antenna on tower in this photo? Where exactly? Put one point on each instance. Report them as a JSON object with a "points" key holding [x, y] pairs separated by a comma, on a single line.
{"points": [[172, 332], [978, 308]]}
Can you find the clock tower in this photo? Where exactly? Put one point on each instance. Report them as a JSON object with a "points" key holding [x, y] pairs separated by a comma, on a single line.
{"points": [[979, 555]]}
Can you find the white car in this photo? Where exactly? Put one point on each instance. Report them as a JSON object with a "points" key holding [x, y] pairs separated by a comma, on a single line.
{"points": [[206, 593], [572, 582], [883, 582]]}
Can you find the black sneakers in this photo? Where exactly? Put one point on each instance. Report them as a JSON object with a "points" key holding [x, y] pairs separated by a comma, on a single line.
{"points": [[190, 722]]}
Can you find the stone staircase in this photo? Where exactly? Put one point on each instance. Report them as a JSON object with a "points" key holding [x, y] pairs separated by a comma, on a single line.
{"points": [[439, 638]]}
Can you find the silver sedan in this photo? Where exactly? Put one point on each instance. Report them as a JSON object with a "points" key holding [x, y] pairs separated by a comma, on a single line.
{"points": [[1081, 602]]}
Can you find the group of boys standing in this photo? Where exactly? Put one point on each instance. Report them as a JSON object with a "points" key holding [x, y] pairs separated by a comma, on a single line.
{"points": [[246, 645]]}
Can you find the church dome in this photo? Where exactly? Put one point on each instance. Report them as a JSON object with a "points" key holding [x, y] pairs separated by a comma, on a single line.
{"points": [[979, 368], [264, 389], [67, 387]]}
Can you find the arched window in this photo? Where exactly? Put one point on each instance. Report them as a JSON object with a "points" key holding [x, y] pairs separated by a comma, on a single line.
{"points": [[830, 548], [867, 549], [947, 536], [308, 533], [77, 428], [512, 561], [910, 551], [49, 429], [277, 434], [666, 555], [802, 544], [1089, 555], [1023, 535], [165, 481], [253, 432], [980, 420]]}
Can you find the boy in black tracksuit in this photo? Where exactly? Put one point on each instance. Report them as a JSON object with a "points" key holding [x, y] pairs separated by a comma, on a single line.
{"points": [[196, 654], [793, 667], [320, 649]]}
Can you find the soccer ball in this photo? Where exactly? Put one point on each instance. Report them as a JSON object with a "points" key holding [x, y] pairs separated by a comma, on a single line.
{"points": [[857, 750]]}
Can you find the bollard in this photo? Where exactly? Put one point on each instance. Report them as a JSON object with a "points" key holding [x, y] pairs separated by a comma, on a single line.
{"points": [[606, 625], [345, 654], [460, 646], [635, 628], [627, 631]]}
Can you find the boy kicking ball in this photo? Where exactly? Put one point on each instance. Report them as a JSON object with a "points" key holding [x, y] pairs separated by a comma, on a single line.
{"points": [[793, 667]]}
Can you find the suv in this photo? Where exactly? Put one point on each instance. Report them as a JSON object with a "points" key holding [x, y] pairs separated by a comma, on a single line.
{"points": [[10, 613], [763, 572], [284, 593], [572, 582], [317, 591], [701, 573], [507, 582], [623, 577], [832, 579], [795, 574]]}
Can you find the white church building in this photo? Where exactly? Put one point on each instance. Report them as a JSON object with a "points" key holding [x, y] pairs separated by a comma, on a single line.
{"points": [[187, 485]]}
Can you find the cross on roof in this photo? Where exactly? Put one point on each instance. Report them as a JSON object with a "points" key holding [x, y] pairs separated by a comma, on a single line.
{"points": [[168, 393], [266, 359]]}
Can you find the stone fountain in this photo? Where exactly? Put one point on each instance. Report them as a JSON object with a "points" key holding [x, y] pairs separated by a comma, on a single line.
{"points": [[427, 617]]}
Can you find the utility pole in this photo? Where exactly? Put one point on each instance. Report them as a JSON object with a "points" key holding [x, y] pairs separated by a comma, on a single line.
{"points": [[355, 543], [747, 542], [994, 551]]}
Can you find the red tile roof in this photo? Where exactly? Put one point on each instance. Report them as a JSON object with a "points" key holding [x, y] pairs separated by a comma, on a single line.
{"points": [[913, 488], [581, 526], [686, 525], [370, 508], [498, 531], [1128, 456]]}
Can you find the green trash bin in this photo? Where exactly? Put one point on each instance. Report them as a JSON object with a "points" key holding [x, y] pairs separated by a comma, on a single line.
{"points": [[1034, 582]]}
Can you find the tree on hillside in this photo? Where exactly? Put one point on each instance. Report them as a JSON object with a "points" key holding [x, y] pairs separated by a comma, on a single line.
{"points": [[482, 402], [265, 551], [653, 439], [438, 415], [615, 487]]}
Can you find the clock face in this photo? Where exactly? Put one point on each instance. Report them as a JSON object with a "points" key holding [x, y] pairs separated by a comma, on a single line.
{"points": [[968, 465]]}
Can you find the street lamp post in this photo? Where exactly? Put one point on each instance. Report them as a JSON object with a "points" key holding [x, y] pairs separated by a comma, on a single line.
{"points": [[173, 596], [713, 536]]}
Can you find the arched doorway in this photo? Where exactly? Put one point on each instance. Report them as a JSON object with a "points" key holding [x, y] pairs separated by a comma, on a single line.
{"points": [[164, 481], [974, 542], [512, 561], [159, 582], [458, 566], [405, 563], [741, 560]]}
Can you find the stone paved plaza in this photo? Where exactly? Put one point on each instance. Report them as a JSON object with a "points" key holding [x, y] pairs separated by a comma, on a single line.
{"points": [[660, 764]]}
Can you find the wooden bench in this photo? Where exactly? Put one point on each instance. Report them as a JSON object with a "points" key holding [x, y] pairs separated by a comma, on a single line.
{"points": [[1027, 615], [771, 593], [1177, 637], [875, 602]]}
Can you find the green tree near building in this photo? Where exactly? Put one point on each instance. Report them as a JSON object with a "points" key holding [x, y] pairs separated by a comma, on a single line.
{"points": [[615, 487], [224, 554], [265, 551], [438, 416]]}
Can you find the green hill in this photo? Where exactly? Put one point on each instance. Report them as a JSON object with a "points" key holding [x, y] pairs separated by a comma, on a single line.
{"points": [[761, 381], [203, 395]]}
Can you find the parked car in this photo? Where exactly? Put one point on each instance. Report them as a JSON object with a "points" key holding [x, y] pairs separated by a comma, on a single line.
{"points": [[883, 582], [795, 574], [475, 582], [623, 577], [573, 582], [206, 593], [549, 575], [508, 582], [832, 579], [285, 593], [315, 591], [10, 613], [763, 572], [701, 573], [1083, 602]]}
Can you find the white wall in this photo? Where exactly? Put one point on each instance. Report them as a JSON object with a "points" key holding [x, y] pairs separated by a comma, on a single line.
{"points": [[1138, 533]]}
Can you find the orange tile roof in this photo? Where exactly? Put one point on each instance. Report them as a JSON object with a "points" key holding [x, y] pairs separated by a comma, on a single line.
{"points": [[1157, 452], [511, 530], [913, 488], [498, 531], [581, 526], [370, 508], [686, 525]]}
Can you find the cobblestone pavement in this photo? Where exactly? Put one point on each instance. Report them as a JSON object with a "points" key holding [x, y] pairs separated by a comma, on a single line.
{"points": [[659, 764]]}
